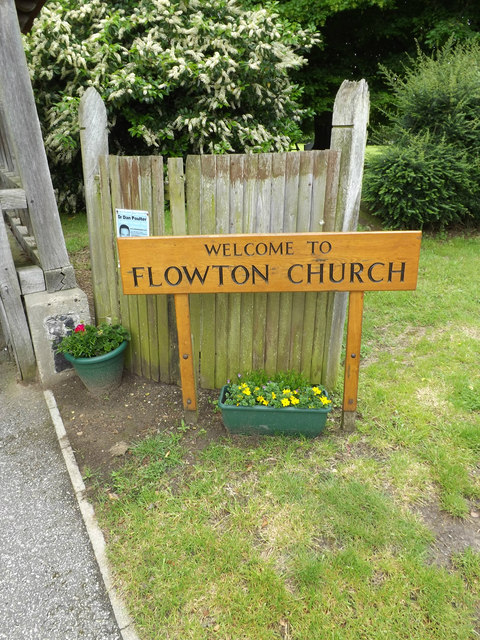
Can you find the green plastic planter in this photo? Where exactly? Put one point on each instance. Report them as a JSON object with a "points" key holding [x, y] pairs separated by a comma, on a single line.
{"points": [[271, 421], [100, 374]]}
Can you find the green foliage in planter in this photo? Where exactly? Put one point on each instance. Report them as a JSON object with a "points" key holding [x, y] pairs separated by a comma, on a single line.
{"points": [[177, 77], [292, 379], [284, 389], [420, 182], [428, 174], [87, 341]]}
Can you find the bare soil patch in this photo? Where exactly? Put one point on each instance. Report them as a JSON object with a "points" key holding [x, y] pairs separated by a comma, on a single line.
{"points": [[137, 409]]}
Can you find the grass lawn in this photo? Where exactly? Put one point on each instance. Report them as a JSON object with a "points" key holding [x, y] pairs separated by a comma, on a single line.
{"points": [[331, 538], [75, 230]]}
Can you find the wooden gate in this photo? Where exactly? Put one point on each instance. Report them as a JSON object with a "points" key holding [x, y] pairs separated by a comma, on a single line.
{"points": [[252, 193]]}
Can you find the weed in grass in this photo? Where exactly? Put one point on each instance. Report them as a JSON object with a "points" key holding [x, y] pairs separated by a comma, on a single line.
{"points": [[450, 468], [149, 461], [466, 393], [469, 436], [468, 563], [88, 473], [410, 477], [363, 514]]}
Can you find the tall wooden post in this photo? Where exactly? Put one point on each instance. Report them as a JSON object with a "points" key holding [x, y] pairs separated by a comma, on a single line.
{"points": [[352, 359], [185, 351], [349, 136], [92, 116]]}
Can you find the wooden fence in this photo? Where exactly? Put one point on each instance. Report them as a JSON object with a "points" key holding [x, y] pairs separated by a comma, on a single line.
{"points": [[253, 193]]}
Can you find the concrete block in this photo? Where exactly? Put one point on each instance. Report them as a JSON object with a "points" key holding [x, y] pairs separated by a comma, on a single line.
{"points": [[31, 279], [51, 316]]}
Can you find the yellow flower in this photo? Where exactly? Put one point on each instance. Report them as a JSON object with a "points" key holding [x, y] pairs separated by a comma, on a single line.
{"points": [[265, 402], [246, 391], [285, 402], [274, 395], [286, 392], [294, 400], [316, 391], [260, 399]]}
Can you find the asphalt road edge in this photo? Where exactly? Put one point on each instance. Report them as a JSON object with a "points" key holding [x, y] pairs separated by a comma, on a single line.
{"points": [[97, 540]]}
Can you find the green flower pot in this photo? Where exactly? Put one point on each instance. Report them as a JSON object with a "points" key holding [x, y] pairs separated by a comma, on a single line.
{"points": [[100, 374], [272, 421]]}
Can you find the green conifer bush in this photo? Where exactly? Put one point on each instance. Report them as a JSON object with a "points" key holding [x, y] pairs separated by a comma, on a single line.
{"points": [[428, 174]]}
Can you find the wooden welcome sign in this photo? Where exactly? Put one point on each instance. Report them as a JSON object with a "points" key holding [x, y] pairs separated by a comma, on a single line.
{"points": [[240, 263]]}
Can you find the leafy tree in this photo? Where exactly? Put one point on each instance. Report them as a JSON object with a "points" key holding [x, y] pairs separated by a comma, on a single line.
{"points": [[177, 76], [359, 35]]}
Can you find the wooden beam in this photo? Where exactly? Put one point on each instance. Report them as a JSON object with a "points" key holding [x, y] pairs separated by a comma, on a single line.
{"points": [[13, 313], [352, 359], [25, 135], [9, 180], [20, 232], [12, 199]]}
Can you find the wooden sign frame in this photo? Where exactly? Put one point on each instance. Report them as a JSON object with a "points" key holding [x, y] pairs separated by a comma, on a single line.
{"points": [[238, 263]]}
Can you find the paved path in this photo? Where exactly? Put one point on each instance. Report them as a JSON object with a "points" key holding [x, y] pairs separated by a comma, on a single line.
{"points": [[50, 584]]}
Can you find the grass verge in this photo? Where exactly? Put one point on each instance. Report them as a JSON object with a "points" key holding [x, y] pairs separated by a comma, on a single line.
{"points": [[323, 539], [75, 230]]}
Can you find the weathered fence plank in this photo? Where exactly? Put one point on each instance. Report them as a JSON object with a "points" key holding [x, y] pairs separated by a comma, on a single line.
{"points": [[107, 300], [176, 184], [349, 136], [164, 367], [192, 192], [273, 351], [92, 116], [235, 327], [222, 225], [248, 338], [208, 327]]}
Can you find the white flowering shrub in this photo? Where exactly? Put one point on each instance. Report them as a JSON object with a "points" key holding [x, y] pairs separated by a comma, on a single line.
{"points": [[177, 77]]}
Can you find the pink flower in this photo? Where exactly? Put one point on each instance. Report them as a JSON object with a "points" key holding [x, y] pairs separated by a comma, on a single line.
{"points": [[79, 327]]}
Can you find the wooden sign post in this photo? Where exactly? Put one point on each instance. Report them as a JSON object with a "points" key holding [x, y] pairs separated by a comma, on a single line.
{"points": [[241, 263]]}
